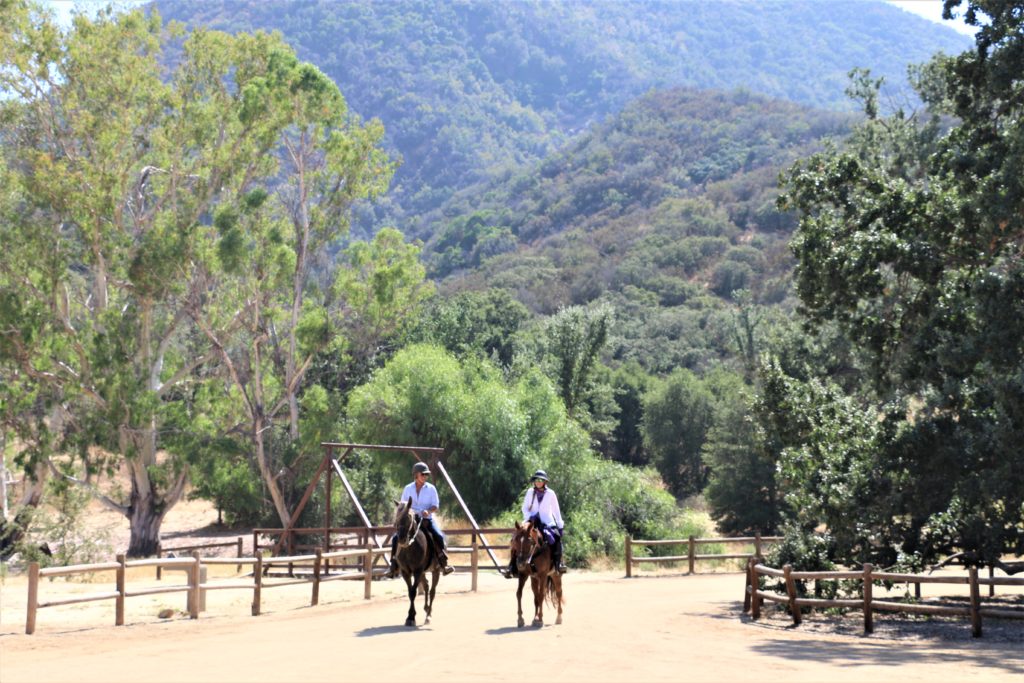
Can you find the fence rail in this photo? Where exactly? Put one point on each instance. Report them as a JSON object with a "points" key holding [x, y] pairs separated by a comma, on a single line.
{"points": [[754, 596], [197, 584], [691, 556], [237, 543]]}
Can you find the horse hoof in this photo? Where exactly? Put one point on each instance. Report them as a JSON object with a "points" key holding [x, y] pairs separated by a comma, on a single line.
{"points": [[411, 623], [537, 623], [558, 620], [522, 623]]}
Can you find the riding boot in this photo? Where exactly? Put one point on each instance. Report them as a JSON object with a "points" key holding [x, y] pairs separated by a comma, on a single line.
{"points": [[557, 557], [393, 570], [442, 559], [512, 571]]}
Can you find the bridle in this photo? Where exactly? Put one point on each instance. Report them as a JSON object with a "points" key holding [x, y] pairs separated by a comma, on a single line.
{"points": [[527, 541], [404, 540]]}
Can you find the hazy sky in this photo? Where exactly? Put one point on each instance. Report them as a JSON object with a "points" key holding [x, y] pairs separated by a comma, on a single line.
{"points": [[932, 9]]}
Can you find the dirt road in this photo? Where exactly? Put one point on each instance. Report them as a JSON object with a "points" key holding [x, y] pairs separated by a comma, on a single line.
{"points": [[669, 628]]}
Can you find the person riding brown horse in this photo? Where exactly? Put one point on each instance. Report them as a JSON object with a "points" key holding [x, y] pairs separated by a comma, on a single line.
{"points": [[534, 561], [540, 506], [415, 557]]}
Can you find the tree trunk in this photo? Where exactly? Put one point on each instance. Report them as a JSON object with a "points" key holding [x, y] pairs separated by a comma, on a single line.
{"points": [[145, 516]]}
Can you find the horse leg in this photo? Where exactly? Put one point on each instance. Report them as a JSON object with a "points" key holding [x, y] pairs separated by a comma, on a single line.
{"points": [[413, 583], [428, 599], [519, 598], [538, 600], [557, 585]]}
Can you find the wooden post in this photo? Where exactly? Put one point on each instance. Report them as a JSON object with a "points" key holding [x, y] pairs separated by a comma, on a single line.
{"points": [[367, 571], [255, 543], [238, 569], [991, 586], [757, 545], [119, 600], [193, 589], [755, 599], [748, 581], [316, 578], [869, 618], [474, 561], [159, 554], [33, 598], [691, 553], [972, 574], [257, 576], [794, 609], [917, 590], [629, 556]]}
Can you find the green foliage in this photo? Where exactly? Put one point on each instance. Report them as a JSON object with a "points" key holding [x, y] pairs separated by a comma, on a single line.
{"points": [[909, 241], [678, 413]]}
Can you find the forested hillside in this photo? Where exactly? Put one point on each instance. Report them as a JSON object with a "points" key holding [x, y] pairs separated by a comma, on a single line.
{"points": [[665, 211], [468, 89]]}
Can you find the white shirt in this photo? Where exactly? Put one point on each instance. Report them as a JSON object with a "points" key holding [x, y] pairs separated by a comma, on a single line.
{"points": [[545, 507], [425, 499]]}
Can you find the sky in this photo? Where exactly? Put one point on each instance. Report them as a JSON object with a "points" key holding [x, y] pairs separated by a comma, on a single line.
{"points": [[932, 10]]}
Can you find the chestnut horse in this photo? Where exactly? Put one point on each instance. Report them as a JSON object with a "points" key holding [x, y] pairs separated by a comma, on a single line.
{"points": [[534, 562], [415, 557]]}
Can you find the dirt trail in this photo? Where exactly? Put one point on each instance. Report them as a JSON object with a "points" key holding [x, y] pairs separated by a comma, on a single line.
{"points": [[666, 628]]}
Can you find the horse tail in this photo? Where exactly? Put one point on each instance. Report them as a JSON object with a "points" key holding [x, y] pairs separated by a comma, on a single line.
{"points": [[553, 598]]}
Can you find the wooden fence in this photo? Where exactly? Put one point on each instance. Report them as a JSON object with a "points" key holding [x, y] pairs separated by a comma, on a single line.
{"points": [[195, 570], [174, 552], [691, 556], [754, 596], [342, 538]]}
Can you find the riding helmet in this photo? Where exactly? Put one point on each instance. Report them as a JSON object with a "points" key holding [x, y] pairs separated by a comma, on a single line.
{"points": [[420, 467], [539, 474]]}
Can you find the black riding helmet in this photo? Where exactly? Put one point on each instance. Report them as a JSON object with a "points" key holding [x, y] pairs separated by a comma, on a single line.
{"points": [[420, 467], [539, 475]]}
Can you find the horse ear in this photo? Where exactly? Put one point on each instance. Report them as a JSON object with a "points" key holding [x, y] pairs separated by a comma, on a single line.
{"points": [[518, 526], [397, 503], [409, 502]]}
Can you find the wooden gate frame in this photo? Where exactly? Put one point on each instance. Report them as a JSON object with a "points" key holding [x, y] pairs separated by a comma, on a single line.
{"points": [[331, 464]]}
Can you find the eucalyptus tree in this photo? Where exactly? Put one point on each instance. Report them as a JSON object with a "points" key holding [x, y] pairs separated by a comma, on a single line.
{"points": [[274, 312], [123, 138]]}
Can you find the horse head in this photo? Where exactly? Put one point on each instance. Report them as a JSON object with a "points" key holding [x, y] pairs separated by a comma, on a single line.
{"points": [[407, 524], [525, 542]]}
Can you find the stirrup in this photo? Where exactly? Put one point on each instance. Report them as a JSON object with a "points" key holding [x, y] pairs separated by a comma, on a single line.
{"points": [[447, 569]]}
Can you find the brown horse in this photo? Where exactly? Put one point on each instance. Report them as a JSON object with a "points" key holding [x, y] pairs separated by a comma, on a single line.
{"points": [[415, 557], [534, 562]]}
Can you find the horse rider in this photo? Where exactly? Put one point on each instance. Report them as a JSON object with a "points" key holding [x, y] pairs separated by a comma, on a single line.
{"points": [[425, 503], [541, 505]]}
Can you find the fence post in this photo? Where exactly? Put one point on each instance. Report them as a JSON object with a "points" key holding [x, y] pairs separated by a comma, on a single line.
{"points": [[119, 600], [159, 554], [474, 561], [316, 578], [255, 543], [257, 575], [692, 545], [755, 599], [33, 598], [193, 589], [367, 570], [972, 574], [238, 569], [629, 556], [869, 615], [991, 586], [794, 609], [757, 545], [747, 582]]}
